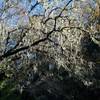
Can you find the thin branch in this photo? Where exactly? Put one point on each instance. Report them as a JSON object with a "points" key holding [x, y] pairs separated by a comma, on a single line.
{"points": [[73, 27], [33, 6]]}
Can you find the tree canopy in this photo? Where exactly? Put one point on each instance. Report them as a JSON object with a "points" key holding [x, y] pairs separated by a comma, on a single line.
{"points": [[44, 40]]}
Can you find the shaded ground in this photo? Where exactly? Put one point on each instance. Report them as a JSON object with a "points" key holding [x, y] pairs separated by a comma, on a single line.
{"points": [[50, 88]]}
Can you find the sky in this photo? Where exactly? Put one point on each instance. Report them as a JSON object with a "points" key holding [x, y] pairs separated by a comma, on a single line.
{"points": [[26, 5], [38, 10]]}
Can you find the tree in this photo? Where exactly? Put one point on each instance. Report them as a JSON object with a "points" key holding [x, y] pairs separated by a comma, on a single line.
{"points": [[43, 36]]}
